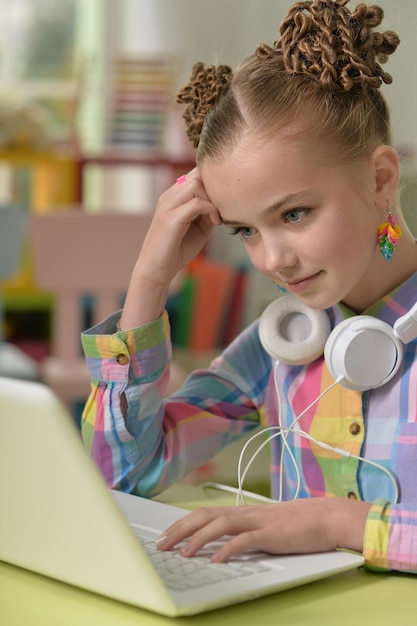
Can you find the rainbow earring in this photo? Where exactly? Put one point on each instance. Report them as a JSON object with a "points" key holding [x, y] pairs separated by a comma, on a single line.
{"points": [[388, 235]]}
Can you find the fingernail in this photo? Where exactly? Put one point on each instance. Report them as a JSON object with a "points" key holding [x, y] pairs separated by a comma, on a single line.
{"points": [[218, 556], [162, 540], [185, 550]]}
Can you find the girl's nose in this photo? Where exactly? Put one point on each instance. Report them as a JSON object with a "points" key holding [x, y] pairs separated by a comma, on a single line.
{"points": [[277, 256]]}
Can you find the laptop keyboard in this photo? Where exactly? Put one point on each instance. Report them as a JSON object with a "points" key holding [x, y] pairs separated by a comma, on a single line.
{"points": [[180, 573]]}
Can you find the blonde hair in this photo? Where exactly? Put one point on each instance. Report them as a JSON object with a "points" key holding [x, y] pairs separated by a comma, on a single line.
{"points": [[324, 70]]}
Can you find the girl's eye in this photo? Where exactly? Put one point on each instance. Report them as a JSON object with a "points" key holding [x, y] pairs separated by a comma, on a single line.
{"points": [[295, 215], [244, 231]]}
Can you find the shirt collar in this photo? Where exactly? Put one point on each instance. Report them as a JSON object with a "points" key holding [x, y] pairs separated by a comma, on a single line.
{"points": [[388, 309]]}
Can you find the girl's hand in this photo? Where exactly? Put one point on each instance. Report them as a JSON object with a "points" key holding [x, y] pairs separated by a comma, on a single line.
{"points": [[300, 526], [183, 222]]}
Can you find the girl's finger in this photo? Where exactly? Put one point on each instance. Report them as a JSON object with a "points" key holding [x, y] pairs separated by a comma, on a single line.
{"points": [[204, 527], [188, 525], [243, 542]]}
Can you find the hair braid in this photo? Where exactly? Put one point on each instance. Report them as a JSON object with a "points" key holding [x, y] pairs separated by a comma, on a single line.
{"points": [[327, 43], [321, 76], [207, 84]]}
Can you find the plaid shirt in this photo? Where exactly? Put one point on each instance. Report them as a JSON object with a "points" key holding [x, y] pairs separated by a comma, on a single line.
{"points": [[163, 439]]}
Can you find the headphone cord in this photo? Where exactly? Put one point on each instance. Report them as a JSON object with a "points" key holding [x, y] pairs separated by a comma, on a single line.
{"points": [[284, 432]]}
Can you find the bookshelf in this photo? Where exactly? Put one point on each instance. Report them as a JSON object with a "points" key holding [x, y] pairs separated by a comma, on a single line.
{"points": [[40, 180]]}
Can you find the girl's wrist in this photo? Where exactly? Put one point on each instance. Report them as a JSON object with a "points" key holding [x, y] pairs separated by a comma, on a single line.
{"points": [[145, 302], [349, 522]]}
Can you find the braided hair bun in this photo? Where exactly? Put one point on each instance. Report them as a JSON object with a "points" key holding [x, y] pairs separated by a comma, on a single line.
{"points": [[206, 85], [325, 67], [326, 42]]}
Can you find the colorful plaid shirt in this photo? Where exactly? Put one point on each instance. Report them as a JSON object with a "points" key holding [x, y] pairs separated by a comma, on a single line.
{"points": [[162, 439]]}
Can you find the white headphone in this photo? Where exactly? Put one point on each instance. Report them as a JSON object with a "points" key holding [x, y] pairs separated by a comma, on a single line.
{"points": [[362, 352]]}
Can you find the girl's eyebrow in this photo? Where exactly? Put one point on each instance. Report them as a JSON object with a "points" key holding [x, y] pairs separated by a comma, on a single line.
{"points": [[291, 198]]}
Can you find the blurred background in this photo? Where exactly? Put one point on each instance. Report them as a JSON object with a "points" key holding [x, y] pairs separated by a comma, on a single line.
{"points": [[89, 125]]}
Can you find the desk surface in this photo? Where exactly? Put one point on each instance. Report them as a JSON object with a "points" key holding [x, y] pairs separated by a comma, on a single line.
{"points": [[355, 597]]}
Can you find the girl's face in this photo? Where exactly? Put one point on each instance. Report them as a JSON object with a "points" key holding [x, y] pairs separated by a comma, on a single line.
{"points": [[309, 227]]}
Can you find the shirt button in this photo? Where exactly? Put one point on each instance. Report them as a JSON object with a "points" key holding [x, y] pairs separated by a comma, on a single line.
{"points": [[355, 428], [122, 359], [352, 495]]}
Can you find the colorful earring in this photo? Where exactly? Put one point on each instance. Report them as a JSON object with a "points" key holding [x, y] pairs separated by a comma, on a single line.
{"points": [[388, 235]]}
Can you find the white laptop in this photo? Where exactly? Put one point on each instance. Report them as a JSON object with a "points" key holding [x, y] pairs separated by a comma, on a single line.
{"points": [[60, 520]]}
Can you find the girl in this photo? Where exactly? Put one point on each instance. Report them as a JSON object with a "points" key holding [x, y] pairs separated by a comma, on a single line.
{"points": [[294, 156]]}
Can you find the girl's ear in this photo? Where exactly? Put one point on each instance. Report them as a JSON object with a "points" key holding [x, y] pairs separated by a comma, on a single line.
{"points": [[386, 175]]}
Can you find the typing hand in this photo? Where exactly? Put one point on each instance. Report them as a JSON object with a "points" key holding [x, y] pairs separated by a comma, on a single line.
{"points": [[301, 526]]}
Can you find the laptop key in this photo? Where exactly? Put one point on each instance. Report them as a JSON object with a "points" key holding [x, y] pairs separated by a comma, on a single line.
{"points": [[182, 573]]}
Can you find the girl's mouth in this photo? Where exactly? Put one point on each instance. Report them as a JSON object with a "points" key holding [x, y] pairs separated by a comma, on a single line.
{"points": [[303, 284]]}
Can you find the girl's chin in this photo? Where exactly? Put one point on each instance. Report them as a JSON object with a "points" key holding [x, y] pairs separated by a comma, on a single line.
{"points": [[318, 302]]}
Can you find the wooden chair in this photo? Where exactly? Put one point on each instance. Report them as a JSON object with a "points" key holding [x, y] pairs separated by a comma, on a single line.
{"points": [[14, 362], [76, 254]]}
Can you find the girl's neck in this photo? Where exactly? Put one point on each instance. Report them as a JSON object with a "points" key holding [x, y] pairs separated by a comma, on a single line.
{"points": [[385, 276]]}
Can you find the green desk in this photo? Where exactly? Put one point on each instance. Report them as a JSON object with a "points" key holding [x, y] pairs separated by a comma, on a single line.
{"points": [[356, 598]]}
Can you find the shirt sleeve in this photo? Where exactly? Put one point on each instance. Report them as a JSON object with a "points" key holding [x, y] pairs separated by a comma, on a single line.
{"points": [[160, 440], [391, 537]]}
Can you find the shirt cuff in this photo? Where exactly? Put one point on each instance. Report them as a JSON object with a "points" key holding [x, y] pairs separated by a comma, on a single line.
{"points": [[377, 533], [135, 354]]}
